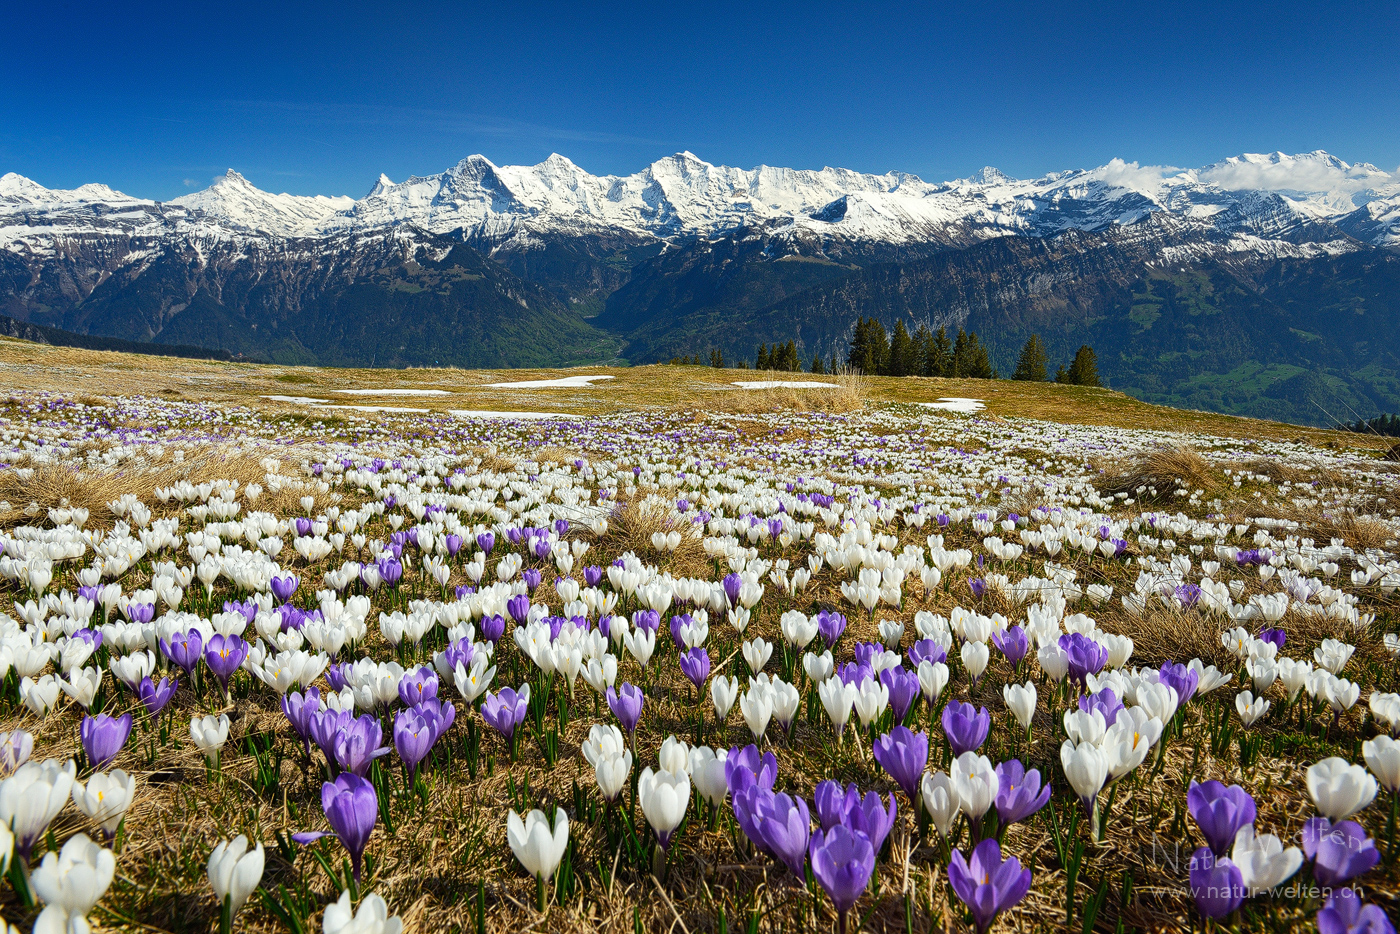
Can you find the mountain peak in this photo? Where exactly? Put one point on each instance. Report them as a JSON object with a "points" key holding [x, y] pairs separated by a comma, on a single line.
{"points": [[989, 175]]}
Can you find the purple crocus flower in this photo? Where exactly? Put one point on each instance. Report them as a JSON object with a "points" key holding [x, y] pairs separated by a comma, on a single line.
{"points": [[733, 583], [302, 526], [867, 815], [1216, 884], [866, 652], [505, 710], [1181, 678], [904, 755], [324, 729], [1105, 701], [92, 637], [185, 649], [249, 608], [140, 612], [413, 738], [223, 655], [284, 587], [626, 705], [103, 737], [493, 627], [518, 607], [786, 826], [352, 808], [854, 673], [156, 696], [358, 744], [1341, 851], [965, 726], [418, 686], [678, 623], [745, 768], [1219, 812], [695, 665], [926, 650], [531, 577], [438, 715], [977, 585], [750, 803], [650, 620], [1019, 793], [903, 685], [299, 709], [592, 575], [338, 675], [391, 570], [453, 543], [1086, 657], [486, 541], [1275, 635], [1344, 914], [986, 884], [842, 861], [1013, 643], [830, 626]]}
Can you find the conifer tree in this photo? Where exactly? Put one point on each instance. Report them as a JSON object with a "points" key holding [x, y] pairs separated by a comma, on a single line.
{"points": [[938, 357], [1031, 366], [903, 360], [762, 360], [817, 365], [1084, 368], [717, 358]]}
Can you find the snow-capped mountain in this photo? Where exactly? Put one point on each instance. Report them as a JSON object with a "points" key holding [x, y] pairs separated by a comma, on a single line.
{"points": [[1313, 196]]}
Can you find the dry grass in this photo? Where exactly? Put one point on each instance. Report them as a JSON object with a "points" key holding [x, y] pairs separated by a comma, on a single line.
{"points": [[850, 395], [631, 526], [1164, 469]]}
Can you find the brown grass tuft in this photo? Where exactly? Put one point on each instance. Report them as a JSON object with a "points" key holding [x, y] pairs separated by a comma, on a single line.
{"points": [[1165, 469], [631, 526]]}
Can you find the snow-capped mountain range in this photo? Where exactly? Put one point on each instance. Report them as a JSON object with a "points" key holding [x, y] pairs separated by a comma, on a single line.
{"points": [[1311, 198]]}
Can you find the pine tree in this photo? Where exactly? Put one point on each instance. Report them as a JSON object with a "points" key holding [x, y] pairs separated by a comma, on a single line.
{"points": [[939, 355], [817, 366], [717, 359], [903, 359], [976, 364], [1031, 366], [762, 360], [1084, 369]]}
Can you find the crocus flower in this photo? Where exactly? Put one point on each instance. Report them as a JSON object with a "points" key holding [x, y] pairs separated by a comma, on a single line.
{"points": [[156, 696], [103, 737], [418, 686], [493, 627], [1105, 701], [1181, 678], [904, 755], [413, 738], [32, 797], [505, 710], [185, 649], [352, 808], [359, 744], [299, 709], [1274, 635], [1019, 792], [1338, 788], [284, 587], [518, 607], [695, 665], [830, 625], [1086, 657], [965, 726], [1340, 852], [786, 826], [234, 872], [842, 861], [626, 705], [1013, 643], [1216, 884], [70, 883], [538, 848], [744, 768], [867, 815], [664, 797], [15, 748], [986, 884], [1220, 812], [903, 685], [926, 650], [223, 655], [1345, 914]]}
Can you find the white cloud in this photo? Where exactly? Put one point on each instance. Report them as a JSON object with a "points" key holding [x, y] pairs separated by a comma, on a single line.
{"points": [[1310, 172], [1144, 179]]}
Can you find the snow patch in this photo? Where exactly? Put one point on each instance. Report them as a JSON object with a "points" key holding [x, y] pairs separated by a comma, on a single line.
{"points": [[565, 382], [956, 404], [392, 392]]}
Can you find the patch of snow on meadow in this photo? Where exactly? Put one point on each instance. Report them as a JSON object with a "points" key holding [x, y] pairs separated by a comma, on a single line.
{"points": [[785, 384], [392, 392], [565, 382], [956, 404], [297, 400]]}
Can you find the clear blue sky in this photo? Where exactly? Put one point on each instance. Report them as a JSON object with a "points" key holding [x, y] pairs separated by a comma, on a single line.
{"points": [[156, 100]]}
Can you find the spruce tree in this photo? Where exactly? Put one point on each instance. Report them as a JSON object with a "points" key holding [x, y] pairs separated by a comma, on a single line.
{"points": [[903, 353], [1084, 369], [976, 364], [870, 347], [762, 360], [817, 366], [1031, 366], [788, 358], [939, 355], [717, 359]]}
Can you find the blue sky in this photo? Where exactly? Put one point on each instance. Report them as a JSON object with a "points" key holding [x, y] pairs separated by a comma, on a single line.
{"points": [[320, 99]]}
